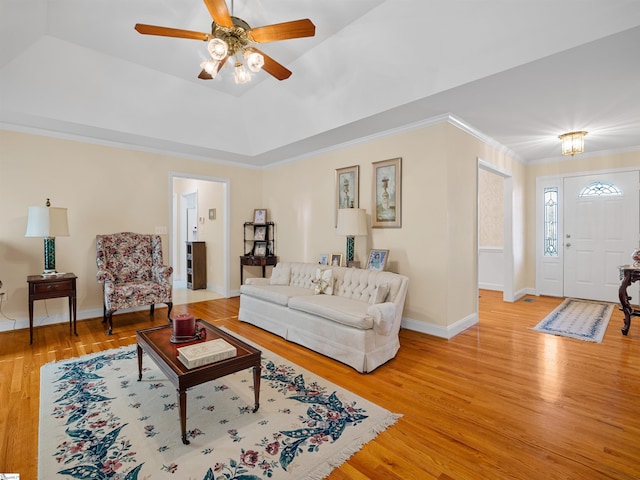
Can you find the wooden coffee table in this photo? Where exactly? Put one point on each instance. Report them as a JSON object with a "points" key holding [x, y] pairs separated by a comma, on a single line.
{"points": [[156, 343]]}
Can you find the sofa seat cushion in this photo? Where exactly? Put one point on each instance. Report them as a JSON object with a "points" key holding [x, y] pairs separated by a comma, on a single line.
{"points": [[278, 294], [339, 309]]}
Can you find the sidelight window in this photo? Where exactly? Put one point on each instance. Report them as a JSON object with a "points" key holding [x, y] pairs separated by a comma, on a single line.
{"points": [[551, 222]]}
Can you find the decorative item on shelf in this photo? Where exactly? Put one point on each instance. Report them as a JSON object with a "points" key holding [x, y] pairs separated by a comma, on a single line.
{"points": [[260, 249], [260, 216], [636, 258], [572, 142], [323, 259], [48, 222], [352, 222], [377, 260]]}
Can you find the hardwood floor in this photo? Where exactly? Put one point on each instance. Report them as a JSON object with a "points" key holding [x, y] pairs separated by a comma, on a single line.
{"points": [[497, 401]]}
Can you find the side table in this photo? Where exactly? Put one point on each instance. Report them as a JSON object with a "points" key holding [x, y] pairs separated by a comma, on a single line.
{"points": [[250, 260], [42, 287], [628, 275]]}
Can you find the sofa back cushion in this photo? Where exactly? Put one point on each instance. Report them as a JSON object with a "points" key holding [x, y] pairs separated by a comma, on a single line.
{"points": [[364, 285]]}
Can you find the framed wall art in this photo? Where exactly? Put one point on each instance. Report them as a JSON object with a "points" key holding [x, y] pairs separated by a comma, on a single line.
{"points": [[377, 260], [387, 194], [347, 188]]}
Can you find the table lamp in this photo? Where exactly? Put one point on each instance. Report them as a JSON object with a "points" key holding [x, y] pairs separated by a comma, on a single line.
{"points": [[352, 222], [48, 222]]}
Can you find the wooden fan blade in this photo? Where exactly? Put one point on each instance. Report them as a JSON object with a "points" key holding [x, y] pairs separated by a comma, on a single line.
{"points": [[283, 31], [219, 12], [171, 32], [272, 67], [207, 76]]}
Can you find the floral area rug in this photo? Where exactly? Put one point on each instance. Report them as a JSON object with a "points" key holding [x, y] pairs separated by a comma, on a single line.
{"points": [[98, 422], [581, 319]]}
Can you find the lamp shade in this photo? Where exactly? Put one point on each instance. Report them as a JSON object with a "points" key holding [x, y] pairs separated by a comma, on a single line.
{"points": [[352, 222], [47, 222]]}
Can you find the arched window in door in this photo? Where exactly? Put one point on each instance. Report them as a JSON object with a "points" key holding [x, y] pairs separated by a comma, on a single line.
{"points": [[599, 189]]}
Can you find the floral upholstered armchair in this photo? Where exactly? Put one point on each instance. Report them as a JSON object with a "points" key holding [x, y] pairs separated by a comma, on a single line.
{"points": [[131, 271]]}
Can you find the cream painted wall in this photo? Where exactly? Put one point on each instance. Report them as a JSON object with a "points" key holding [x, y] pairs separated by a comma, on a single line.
{"points": [[110, 189], [579, 164], [437, 244], [105, 189]]}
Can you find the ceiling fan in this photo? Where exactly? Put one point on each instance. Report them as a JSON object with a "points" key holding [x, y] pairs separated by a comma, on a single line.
{"points": [[232, 37]]}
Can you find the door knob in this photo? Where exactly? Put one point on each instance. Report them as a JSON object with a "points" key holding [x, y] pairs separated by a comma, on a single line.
{"points": [[567, 244]]}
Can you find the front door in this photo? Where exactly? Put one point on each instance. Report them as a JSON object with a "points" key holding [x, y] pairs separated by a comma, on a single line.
{"points": [[601, 225]]}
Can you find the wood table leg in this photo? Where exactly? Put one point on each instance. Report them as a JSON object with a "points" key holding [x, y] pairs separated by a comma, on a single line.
{"points": [[139, 363], [624, 302], [256, 387], [182, 394]]}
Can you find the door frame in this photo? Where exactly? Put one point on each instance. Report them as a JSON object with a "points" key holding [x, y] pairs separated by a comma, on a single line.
{"points": [[509, 273], [226, 219], [558, 180]]}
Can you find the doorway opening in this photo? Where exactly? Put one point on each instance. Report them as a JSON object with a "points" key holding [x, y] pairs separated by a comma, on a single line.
{"points": [[497, 263], [200, 212]]}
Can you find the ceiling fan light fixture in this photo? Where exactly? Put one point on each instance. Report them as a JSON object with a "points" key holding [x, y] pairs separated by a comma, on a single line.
{"points": [[255, 61], [218, 48], [572, 142], [211, 67], [240, 74]]}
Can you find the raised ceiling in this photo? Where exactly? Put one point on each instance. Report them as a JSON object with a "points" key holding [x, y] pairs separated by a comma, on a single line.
{"points": [[515, 72]]}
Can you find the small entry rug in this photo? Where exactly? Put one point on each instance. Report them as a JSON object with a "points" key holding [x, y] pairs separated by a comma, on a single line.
{"points": [[581, 319], [98, 422]]}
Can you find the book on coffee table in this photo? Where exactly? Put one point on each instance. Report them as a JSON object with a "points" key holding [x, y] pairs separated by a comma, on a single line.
{"points": [[207, 352]]}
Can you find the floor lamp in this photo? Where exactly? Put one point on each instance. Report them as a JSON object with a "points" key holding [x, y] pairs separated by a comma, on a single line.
{"points": [[48, 222], [352, 222]]}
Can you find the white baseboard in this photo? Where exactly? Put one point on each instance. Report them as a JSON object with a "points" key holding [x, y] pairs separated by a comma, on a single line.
{"points": [[63, 317], [491, 286], [447, 332]]}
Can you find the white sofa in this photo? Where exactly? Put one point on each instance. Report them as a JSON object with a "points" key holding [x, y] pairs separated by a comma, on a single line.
{"points": [[355, 320]]}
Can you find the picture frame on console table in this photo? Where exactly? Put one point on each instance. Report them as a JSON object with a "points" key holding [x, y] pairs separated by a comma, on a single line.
{"points": [[347, 188], [323, 259], [387, 194], [377, 260], [336, 259]]}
